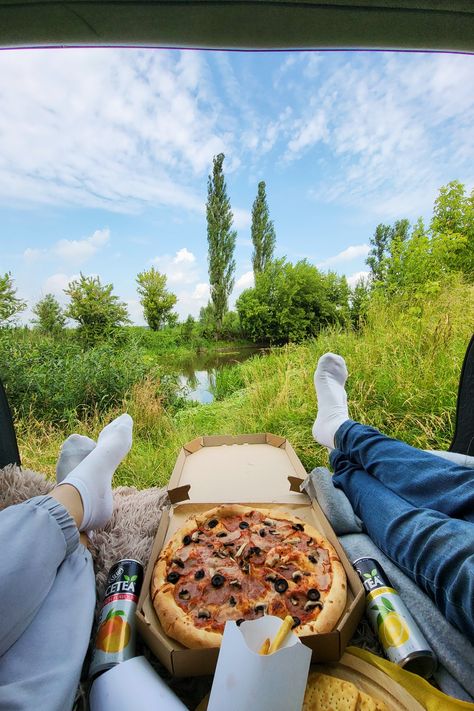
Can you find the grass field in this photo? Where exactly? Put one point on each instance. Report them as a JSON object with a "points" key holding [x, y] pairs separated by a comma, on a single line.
{"points": [[404, 370]]}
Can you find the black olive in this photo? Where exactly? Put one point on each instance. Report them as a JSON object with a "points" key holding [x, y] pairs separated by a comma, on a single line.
{"points": [[243, 524], [298, 527], [262, 532], [232, 601], [173, 577], [213, 523], [178, 562], [187, 540], [281, 585], [255, 550], [199, 574], [183, 594], [227, 545], [296, 622], [313, 594], [312, 559], [222, 534], [217, 580], [244, 567], [239, 621], [259, 608]]}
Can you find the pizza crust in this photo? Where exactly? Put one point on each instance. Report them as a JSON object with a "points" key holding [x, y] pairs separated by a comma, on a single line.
{"points": [[178, 624]]}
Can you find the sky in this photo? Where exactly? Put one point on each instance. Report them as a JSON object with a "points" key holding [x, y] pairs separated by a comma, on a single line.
{"points": [[105, 154]]}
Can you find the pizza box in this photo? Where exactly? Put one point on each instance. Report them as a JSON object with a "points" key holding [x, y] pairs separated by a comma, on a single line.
{"points": [[260, 470]]}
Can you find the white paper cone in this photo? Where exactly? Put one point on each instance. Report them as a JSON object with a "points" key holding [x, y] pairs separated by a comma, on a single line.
{"points": [[133, 684], [245, 679]]}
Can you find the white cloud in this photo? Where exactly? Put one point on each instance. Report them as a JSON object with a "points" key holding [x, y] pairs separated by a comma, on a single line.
{"points": [[31, 255], [79, 251], [358, 276], [180, 268], [347, 255], [56, 283], [242, 218], [202, 292], [184, 255], [245, 281]]}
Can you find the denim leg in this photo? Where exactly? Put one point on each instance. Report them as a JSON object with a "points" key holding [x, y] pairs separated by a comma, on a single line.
{"points": [[435, 551], [48, 598], [421, 478]]}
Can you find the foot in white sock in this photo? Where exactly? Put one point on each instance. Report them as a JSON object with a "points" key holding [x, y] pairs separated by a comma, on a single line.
{"points": [[93, 476], [73, 450], [329, 380]]}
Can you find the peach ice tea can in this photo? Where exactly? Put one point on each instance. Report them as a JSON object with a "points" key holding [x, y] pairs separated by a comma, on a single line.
{"points": [[399, 635], [115, 637]]}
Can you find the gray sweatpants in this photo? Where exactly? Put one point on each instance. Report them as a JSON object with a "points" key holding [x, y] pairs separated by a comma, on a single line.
{"points": [[47, 598]]}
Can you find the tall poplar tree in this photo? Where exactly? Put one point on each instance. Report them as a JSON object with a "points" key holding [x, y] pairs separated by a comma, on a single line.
{"points": [[263, 231], [221, 241]]}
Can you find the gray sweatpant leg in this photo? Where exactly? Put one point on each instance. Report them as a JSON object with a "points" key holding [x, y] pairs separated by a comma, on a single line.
{"points": [[47, 598]]}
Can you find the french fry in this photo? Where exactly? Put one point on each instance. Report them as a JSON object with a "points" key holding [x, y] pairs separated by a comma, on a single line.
{"points": [[286, 626], [265, 647]]}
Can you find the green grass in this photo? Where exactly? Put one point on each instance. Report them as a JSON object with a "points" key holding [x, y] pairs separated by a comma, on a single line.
{"points": [[404, 371]]}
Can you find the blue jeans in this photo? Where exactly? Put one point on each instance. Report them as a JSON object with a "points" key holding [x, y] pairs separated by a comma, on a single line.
{"points": [[418, 509]]}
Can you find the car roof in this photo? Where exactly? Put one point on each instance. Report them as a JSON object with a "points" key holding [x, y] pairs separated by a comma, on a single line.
{"points": [[240, 24]]}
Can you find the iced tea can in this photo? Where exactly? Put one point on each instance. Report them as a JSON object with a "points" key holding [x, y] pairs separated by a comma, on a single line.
{"points": [[400, 636], [115, 637]]}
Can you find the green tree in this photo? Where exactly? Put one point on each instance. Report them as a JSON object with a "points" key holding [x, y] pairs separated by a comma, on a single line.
{"points": [[452, 228], [291, 302], [187, 329], [359, 303], [263, 231], [10, 304], [49, 315], [98, 312], [221, 241], [157, 302]]}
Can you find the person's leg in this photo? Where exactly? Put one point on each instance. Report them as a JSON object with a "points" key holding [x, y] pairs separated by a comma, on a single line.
{"points": [[436, 551], [423, 479]]}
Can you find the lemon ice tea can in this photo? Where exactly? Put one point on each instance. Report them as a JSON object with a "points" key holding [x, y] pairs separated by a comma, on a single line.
{"points": [[115, 637], [390, 619]]}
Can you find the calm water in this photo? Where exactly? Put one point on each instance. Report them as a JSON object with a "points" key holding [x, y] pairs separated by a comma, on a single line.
{"points": [[197, 375]]}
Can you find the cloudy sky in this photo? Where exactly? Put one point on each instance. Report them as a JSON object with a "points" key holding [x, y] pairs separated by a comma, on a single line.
{"points": [[104, 157]]}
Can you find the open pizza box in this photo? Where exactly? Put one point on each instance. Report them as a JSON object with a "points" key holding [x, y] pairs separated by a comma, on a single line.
{"points": [[257, 469]]}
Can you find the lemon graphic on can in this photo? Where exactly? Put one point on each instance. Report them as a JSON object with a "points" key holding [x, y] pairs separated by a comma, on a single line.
{"points": [[392, 628]]}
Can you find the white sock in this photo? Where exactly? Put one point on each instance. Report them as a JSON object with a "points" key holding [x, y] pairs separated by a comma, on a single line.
{"points": [[93, 476], [73, 450], [329, 380]]}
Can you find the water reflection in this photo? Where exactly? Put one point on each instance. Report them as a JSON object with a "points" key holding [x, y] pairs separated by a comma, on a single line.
{"points": [[198, 374]]}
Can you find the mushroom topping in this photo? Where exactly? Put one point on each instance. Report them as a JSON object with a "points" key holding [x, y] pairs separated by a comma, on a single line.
{"points": [[178, 562], [298, 527], [173, 577], [271, 577], [195, 536], [187, 540], [204, 614], [199, 574], [281, 585], [268, 522], [313, 594], [232, 601], [222, 534], [272, 560], [241, 549], [221, 554], [294, 601], [184, 594], [235, 583], [311, 604], [212, 523], [217, 580], [273, 532], [292, 541], [296, 622], [297, 575], [245, 567], [243, 524]]}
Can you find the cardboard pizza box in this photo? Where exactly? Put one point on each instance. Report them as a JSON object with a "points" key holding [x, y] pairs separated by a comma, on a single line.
{"points": [[260, 470]]}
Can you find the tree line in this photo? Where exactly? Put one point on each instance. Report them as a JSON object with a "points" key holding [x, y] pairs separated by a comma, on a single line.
{"points": [[288, 302]]}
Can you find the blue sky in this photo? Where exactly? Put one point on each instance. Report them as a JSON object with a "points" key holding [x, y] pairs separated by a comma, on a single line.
{"points": [[104, 157]]}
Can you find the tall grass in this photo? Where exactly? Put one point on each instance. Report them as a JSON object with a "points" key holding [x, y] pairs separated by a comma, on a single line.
{"points": [[404, 370]]}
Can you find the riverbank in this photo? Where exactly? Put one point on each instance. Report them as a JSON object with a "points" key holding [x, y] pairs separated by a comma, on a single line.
{"points": [[404, 372]]}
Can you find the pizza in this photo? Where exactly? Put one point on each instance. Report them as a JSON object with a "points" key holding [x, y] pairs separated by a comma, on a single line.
{"points": [[239, 563]]}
